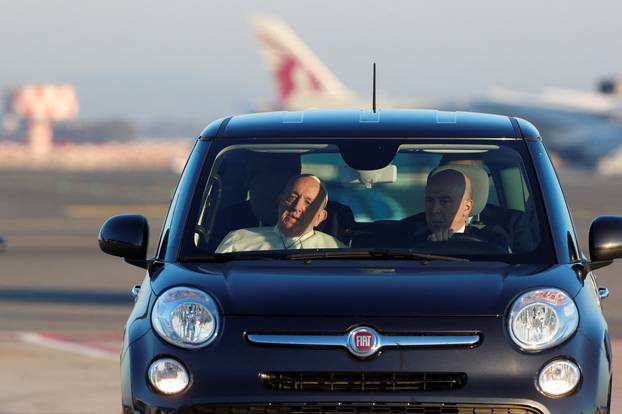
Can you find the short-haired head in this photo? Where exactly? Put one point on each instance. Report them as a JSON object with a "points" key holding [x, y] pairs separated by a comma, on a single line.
{"points": [[448, 200], [302, 205], [450, 178], [323, 194]]}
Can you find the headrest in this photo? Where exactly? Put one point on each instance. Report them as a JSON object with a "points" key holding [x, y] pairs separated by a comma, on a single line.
{"points": [[263, 194], [269, 173], [479, 183]]}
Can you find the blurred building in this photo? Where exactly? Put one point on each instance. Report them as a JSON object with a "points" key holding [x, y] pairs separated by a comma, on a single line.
{"points": [[40, 105], [40, 131]]}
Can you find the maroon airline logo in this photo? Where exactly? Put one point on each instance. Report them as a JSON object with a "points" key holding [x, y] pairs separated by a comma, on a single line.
{"points": [[286, 69]]}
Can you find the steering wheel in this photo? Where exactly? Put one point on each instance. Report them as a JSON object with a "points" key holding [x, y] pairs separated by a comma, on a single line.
{"points": [[468, 238], [465, 243]]}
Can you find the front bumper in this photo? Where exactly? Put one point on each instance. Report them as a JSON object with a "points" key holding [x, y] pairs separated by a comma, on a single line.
{"points": [[225, 375]]}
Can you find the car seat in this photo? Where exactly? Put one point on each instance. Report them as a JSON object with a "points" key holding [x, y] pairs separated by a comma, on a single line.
{"points": [[339, 223], [479, 187]]}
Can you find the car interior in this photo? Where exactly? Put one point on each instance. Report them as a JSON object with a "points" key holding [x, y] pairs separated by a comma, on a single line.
{"points": [[366, 208]]}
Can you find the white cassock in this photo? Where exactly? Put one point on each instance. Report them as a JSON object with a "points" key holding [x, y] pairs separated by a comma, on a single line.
{"points": [[270, 238]]}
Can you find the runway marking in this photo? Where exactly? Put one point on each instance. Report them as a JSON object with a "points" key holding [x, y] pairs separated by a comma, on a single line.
{"points": [[52, 240], [106, 350], [87, 297], [45, 224], [91, 211]]}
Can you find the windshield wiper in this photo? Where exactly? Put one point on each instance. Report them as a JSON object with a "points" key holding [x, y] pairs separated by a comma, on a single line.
{"points": [[380, 254], [228, 257], [392, 254]]}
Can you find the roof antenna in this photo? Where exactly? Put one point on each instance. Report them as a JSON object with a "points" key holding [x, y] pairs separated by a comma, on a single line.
{"points": [[374, 93]]}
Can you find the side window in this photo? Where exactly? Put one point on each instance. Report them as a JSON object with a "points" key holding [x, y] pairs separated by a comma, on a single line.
{"points": [[515, 188], [493, 196]]}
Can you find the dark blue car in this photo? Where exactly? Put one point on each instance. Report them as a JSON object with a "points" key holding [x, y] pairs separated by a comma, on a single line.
{"points": [[372, 306]]}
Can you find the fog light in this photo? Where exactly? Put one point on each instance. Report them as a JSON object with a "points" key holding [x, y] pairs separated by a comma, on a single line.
{"points": [[558, 378], [168, 376]]}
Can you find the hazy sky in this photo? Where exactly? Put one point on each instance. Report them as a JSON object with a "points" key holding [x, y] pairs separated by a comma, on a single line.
{"points": [[198, 59]]}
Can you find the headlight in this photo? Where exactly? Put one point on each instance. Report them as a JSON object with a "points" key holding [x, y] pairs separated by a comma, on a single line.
{"points": [[168, 376], [542, 318], [558, 378], [186, 317]]}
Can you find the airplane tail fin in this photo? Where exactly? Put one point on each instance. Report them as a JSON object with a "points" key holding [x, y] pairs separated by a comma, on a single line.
{"points": [[299, 74]]}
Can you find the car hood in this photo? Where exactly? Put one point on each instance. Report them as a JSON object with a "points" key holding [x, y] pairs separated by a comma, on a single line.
{"points": [[339, 288]]}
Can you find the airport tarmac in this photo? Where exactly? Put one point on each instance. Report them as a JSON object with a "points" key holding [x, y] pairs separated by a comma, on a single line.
{"points": [[63, 302]]}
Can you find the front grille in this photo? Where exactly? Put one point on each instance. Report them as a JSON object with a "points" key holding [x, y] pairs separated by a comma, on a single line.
{"points": [[364, 408], [364, 381]]}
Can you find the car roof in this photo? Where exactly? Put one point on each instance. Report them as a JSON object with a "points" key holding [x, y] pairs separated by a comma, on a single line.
{"points": [[344, 123]]}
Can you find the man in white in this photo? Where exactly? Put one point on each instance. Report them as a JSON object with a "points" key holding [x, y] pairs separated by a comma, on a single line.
{"points": [[301, 209]]}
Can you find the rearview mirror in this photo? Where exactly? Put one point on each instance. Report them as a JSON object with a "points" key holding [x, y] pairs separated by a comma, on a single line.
{"points": [[369, 178], [605, 238], [126, 236]]}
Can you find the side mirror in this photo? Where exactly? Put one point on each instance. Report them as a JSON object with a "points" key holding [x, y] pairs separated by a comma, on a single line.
{"points": [[606, 239], [126, 236], [2, 245]]}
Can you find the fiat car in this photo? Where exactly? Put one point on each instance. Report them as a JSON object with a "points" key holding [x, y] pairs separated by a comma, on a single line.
{"points": [[309, 263]]}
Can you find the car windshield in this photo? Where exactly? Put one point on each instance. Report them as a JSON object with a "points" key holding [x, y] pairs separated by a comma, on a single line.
{"points": [[462, 199]]}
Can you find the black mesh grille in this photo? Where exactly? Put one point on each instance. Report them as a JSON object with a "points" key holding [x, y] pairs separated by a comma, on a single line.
{"points": [[364, 381], [365, 408]]}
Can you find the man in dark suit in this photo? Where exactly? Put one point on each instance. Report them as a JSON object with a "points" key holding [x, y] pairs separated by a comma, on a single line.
{"points": [[448, 205]]}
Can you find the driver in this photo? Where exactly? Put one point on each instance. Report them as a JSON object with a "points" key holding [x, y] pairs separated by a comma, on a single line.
{"points": [[448, 204], [301, 209]]}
